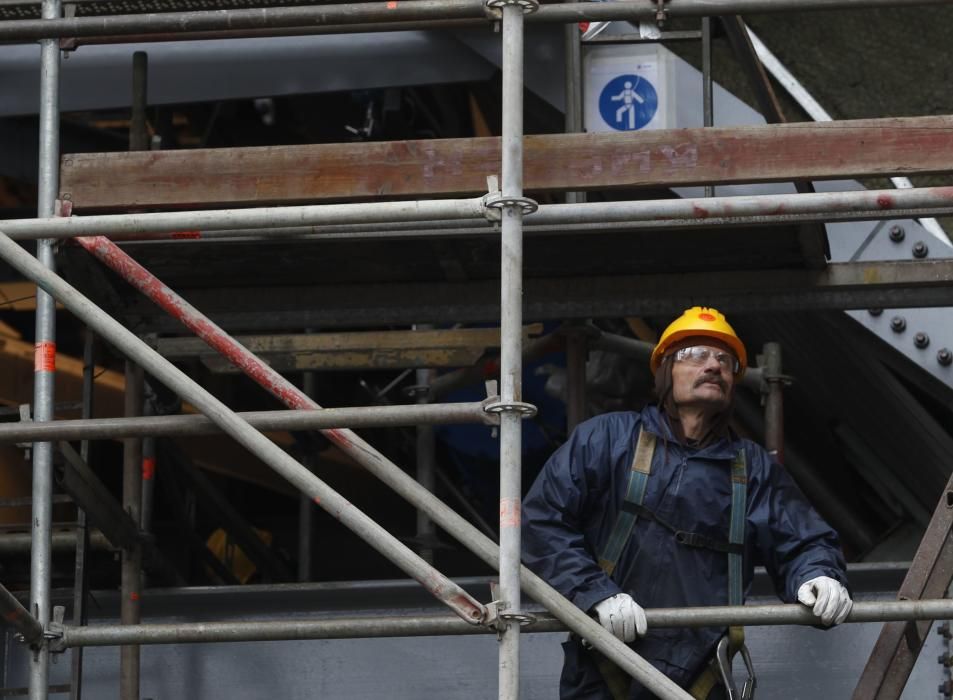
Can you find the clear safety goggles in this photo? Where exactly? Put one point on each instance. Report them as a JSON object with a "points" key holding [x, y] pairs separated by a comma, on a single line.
{"points": [[699, 355]]}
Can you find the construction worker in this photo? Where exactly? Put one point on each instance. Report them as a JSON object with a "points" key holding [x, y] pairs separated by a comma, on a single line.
{"points": [[668, 508]]}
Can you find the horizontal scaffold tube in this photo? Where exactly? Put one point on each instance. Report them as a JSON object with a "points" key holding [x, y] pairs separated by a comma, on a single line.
{"points": [[426, 626], [18, 617], [405, 13], [20, 542], [758, 209], [183, 223], [303, 419], [765, 205]]}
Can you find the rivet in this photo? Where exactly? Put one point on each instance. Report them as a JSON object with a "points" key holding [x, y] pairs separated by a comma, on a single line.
{"points": [[898, 324], [897, 234], [920, 249], [921, 340], [944, 357], [875, 312]]}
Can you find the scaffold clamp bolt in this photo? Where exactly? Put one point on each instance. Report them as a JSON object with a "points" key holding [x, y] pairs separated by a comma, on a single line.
{"points": [[54, 631]]}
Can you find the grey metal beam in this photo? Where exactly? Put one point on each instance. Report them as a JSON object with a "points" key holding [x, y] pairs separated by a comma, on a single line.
{"points": [[839, 286]]}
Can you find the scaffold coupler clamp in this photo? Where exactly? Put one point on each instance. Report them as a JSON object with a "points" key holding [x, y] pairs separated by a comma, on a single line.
{"points": [[661, 13], [53, 636], [498, 617], [494, 202], [493, 9], [724, 655]]}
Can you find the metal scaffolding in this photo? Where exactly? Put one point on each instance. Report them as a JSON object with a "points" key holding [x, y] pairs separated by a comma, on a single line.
{"points": [[500, 211]]}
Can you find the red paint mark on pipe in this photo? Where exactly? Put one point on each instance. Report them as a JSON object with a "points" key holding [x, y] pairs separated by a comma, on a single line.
{"points": [[699, 212], [509, 512], [44, 356], [134, 596], [185, 235], [885, 201], [465, 607], [12, 616], [317, 500], [148, 468], [392, 5]]}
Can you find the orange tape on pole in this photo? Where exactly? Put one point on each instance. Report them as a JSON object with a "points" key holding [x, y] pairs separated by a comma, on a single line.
{"points": [[44, 356]]}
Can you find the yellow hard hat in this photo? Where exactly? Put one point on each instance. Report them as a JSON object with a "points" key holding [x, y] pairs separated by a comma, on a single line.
{"points": [[700, 321]]}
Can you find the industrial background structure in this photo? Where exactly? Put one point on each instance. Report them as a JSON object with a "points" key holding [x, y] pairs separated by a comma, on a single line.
{"points": [[339, 201]]}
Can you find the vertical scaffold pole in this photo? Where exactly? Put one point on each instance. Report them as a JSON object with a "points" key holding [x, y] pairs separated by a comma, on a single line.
{"points": [[131, 569], [426, 465], [511, 407], [773, 401], [45, 354]]}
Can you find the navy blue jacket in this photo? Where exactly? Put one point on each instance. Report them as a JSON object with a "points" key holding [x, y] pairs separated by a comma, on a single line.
{"points": [[570, 511]]}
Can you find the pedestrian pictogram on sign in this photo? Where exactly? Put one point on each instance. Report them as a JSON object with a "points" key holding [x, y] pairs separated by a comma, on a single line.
{"points": [[628, 102]]}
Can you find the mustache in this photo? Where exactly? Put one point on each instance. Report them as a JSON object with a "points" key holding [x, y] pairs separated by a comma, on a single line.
{"points": [[712, 379]]}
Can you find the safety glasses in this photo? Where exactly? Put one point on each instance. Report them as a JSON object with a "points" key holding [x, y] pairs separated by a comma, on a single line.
{"points": [[699, 355]]}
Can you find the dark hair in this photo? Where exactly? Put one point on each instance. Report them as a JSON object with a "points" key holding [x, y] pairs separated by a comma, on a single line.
{"points": [[666, 404]]}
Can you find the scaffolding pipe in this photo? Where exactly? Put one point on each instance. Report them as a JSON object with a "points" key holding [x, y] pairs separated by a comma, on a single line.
{"points": [[773, 399], [19, 618], [181, 224], [19, 542], [83, 537], [285, 221], [426, 443], [775, 205], [130, 585], [363, 13], [318, 419], [305, 504], [445, 625], [360, 451], [137, 351], [44, 374], [511, 353]]}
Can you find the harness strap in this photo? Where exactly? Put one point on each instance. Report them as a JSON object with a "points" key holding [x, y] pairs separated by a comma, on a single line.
{"points": [[710, 677], [635, 494], [689, 539]]}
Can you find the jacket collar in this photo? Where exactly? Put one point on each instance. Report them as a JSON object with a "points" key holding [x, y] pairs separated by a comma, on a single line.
{"points": [[657, 423]]}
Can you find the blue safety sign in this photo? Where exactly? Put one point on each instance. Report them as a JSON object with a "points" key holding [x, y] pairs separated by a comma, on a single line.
{"points": [[628, 102]]}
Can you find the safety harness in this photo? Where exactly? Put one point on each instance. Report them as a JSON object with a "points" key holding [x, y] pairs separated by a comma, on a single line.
{"points": [[720, 667]]}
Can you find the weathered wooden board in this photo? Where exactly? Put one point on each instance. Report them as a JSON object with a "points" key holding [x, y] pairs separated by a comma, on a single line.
{"points": [[448, 167]]}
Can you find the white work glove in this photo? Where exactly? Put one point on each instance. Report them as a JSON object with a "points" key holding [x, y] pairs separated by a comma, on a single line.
{"points": [[828, 599], [622, 616]]}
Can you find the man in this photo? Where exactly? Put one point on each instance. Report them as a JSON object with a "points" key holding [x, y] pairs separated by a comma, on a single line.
{"points": [[617, 528]]}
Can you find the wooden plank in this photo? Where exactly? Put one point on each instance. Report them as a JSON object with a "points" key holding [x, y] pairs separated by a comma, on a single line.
{"points": [[453, 167], [348, 351]]}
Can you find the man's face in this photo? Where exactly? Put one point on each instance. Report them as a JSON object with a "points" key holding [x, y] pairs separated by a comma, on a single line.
{"points": [[704, 382]]}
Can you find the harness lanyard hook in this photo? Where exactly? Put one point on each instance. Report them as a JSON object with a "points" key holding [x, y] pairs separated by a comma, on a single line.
{"points": [[751, 682], [724, 656]]}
